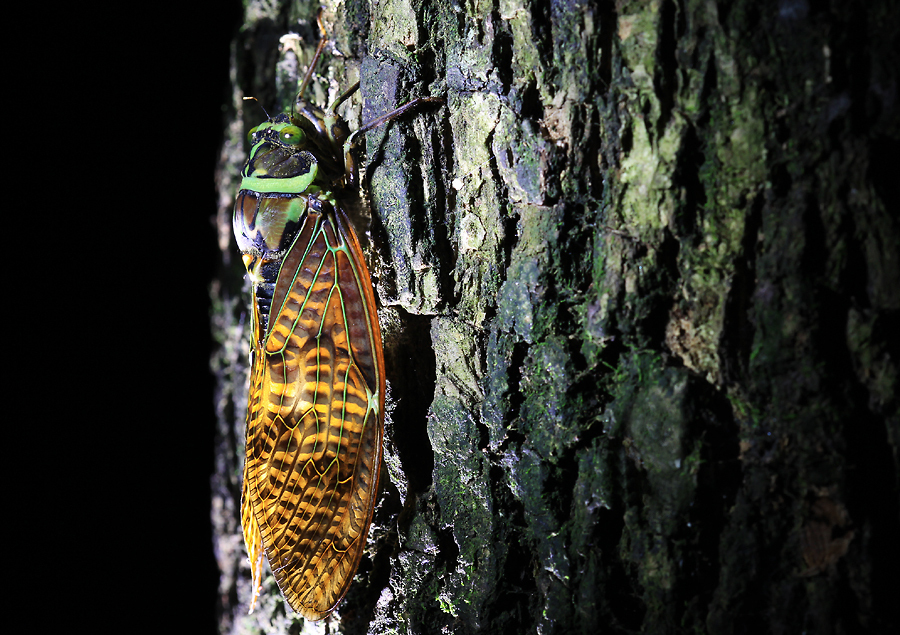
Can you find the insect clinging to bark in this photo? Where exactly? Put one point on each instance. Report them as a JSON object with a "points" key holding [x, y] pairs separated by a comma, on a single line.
{"points": [[316, 404]]}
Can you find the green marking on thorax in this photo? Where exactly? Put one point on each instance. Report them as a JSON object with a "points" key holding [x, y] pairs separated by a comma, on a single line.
{"points": [[272, 185], [296, 209]]}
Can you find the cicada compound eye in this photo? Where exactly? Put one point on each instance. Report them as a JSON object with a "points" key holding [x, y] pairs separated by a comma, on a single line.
{"points": [[292, 135]]}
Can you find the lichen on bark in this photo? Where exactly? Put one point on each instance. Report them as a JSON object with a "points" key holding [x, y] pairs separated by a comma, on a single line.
{"points": [[637, 279]]}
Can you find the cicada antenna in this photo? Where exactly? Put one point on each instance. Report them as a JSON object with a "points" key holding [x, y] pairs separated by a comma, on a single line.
{"points": [[260, 105]]}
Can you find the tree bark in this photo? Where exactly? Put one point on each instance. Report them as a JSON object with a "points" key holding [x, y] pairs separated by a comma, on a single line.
{"points": [[639, 289]]}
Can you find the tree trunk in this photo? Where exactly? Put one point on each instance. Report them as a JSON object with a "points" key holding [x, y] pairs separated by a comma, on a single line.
{"points": [[639, 289]]}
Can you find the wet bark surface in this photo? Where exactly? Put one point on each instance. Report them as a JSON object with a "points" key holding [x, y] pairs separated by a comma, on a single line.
{"points": [[639, 289]]}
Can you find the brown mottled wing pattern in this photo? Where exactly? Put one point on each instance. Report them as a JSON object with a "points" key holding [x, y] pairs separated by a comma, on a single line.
{"points": [[315, 418]]}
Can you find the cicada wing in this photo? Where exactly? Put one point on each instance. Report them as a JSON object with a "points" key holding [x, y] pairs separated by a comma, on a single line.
{"points": [[315, 418], [252, 536], [252, 540]]}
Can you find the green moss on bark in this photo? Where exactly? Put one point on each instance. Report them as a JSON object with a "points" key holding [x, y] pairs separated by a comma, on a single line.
{"points": [[643, 265]]}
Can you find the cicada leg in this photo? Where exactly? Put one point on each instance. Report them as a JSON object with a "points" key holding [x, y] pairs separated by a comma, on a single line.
{"points": [[333, 124], [323, 40], [350, 145]]}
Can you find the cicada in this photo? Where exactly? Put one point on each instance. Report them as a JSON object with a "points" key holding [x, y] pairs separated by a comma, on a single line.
{"points": [[315, 411]]}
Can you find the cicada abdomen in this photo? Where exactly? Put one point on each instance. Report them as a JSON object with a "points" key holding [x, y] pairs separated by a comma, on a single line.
{"points": [[316, 405]]}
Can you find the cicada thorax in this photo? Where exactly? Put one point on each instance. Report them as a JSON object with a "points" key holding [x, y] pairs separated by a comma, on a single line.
{"points": [[316, 404], [295, 162]]}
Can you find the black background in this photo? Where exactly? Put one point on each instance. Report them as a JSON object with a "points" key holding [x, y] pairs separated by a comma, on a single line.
{"points": [[112, 139]]}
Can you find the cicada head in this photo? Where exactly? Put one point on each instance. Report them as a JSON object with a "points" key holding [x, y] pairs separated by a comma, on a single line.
{"points": [[280, 157], [281, 170]]}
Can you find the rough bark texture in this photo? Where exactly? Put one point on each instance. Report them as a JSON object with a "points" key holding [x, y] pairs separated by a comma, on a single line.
{"points": [[640, 291]]}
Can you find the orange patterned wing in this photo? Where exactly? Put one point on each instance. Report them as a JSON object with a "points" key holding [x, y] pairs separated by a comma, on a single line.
{"points": [[315, 418]]}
